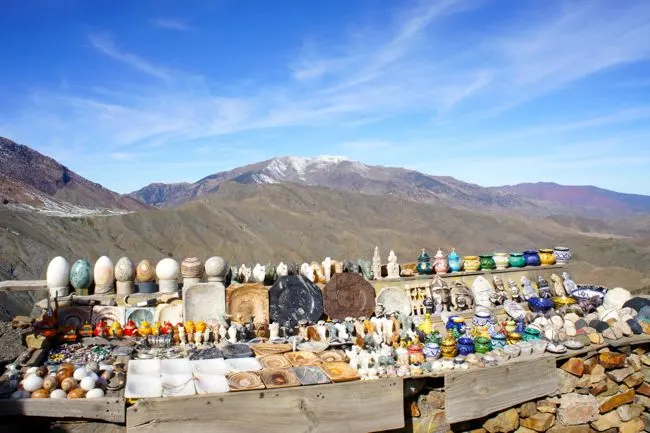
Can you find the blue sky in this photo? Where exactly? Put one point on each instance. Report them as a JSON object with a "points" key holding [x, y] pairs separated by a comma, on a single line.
{"points": [[491, 92]]}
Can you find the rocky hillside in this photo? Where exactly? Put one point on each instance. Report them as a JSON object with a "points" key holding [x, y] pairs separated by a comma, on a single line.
{"points": [[29, 179]]}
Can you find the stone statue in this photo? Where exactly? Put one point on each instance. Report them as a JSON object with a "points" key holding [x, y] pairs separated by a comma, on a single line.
{"points": [[558, 286], [500, 288], [528, 290], [379, 309], [259, 272], [515, 293], [366, 268], [244, 274], [376, 265], [271, 274], [440, 294], [327, 268], [282, 270], [234, 274], [461, 297], [338, 267], [392, 267], [543, 288], [319, 277]]}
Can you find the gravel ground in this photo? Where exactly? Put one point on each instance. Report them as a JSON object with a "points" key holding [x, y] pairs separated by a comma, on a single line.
{"points": [[10, 344]]}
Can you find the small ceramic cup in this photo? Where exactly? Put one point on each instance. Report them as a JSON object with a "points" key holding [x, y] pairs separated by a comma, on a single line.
{"points": [[526, 348]]}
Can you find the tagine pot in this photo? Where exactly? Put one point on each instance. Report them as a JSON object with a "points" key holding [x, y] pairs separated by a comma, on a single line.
{"points": [[531, 334], [440, 263], [532, 258], [546, 256], [465, 346], [432, 350], [448, 347], [455, 264], [482, 345], [500, 260], [498, 341], [424, 263], [562, 255], [487, 263], [517, 260], [471, 263]]}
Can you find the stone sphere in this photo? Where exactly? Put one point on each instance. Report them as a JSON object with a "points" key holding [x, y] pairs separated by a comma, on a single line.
{"points": [[58, 273], [81, 275], [104, 272], [145, 272], [124, 270], [216, 267], [167, 269], [192, 267]]}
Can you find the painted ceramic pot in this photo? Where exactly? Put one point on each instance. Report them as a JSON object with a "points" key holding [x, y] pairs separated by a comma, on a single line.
{"points": [[431, 350], [532, 258], [424, 263], [81, 276], [487, 263], [540, 305], [531, 334], [517, 260], [498, 341], [416, 355], [546, 257], [482, 317], [449, 348], [513, 337], [455, 264], [440, 263], [482, 345], [471, 263], [562, 255], [465, 346], [500, 260]]}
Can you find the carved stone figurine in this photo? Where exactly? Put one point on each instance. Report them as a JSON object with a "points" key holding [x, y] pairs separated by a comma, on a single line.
{"points": [[351, 267], [543, 288], [500, 288], [327, 268], [376, 265], [515, 293], [441, 294], [307, 271], [461, 297], [392, 267], [527, 288], [319, 277], [282, 270], [379, 309], [366, 268], [558, 286], [245, 274], [259, 272], [429, 305], [569, 285]]}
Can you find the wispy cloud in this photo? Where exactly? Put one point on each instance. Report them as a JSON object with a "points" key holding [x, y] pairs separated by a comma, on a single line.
{"points": [[172, 23], [105, 45]]}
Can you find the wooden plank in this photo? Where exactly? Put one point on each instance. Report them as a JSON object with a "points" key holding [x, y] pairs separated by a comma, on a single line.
{"points": [[628, 341], [20, 285], [345, 407], [474, 394], [106, 409]]}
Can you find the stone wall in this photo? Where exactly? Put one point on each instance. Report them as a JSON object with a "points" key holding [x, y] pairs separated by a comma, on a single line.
{"points": [[608, 391]]}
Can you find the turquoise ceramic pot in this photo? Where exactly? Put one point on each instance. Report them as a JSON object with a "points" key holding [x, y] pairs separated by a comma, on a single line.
{"points": [[517, 260], [455, 263], [81, 276], [424, 264]]}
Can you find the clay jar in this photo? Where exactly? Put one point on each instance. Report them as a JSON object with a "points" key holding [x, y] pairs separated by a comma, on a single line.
{"points": [[471, 263], [500, 260], [517, 260], [546, 256], [416, 356], [562, 255], [482, 345], [465, 346], [532, 258], [455, 264], [440, 264], [487, 262]]}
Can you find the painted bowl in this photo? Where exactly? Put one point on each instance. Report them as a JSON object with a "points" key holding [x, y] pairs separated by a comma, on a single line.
{"points": [[540, 305], [585, 292], [562, 301]]}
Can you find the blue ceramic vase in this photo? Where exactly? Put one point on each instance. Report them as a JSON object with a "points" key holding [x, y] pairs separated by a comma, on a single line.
{"points": [[465, 346], [424, 263], [532, 258], [455, 263]]}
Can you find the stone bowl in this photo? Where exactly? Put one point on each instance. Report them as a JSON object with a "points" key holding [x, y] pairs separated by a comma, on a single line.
{"points": [[562, 301]]}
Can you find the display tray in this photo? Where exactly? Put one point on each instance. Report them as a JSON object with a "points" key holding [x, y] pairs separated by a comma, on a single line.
{"points": [[111, 409]]}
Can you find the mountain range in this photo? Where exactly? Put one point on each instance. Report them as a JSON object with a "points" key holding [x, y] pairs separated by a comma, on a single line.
{"points": [[291, 209]]}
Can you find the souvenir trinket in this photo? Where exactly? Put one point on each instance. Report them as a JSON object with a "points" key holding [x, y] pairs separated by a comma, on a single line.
{"points": [[500, 260], [471, 263], [424, 263], [465, 346], [562, 255], [448, 347], [543, 288], [461, 298], [546, 256], [487, 262], [455, 264], [440, 294], [532, 258], [517, 260], [531, 334], [482, 344], [440, 264]]}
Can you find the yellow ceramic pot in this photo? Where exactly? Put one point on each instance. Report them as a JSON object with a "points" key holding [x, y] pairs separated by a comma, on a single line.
{"points": [[513, 337], [471, 263], [547, 257]]}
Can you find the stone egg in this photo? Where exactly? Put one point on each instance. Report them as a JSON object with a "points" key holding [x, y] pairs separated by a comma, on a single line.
{"points": [[58, 274], [145, 272], [216, 267], [58, 393], [41, 393], [63, 374], [32, 382], [192, 267], [68, 384], [124, 270], [95, 393], [92, 366], [81, 275], [87, 383], [167, 269], [80, 373], [103, 272], [50, 383], [77, 393], [41, 371]]}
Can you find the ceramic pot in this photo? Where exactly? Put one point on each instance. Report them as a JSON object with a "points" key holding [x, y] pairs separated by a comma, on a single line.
{"points": [[498, 341], [482, 345], [540, 305], [465, 346], [546, 257], [513, 337], [455, 264], [532, 258], [424, 264], [487, 263], [471, 263], [416, 356], [517, 260], [482, 317], [562, 255], [431, 350], [500, 260], [440, 263], [531, 334], [449, 351]]}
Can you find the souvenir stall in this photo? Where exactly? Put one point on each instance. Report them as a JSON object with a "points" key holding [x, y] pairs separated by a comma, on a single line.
{"points": [[325, 345]]}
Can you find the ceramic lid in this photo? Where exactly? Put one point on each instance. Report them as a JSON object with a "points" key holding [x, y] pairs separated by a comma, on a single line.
{"points": [[440, 255], [424, 256], [453, 255]]}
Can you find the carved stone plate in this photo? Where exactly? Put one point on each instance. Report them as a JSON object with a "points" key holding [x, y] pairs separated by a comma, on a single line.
{"points": [[274, 361], [237, 350], [394, 299], [310, 375], [302, 358], [332, 356], [204, 301], [279, 378], [140, 314], [348, 295], [246, 300], [244, 381], [294, 298], [263, 349], [339, 371]]}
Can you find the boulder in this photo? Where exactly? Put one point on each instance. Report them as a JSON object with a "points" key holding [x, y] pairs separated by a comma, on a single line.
{"points": [[575, 366], [616, 401], [629, 411], [504, 422], [577, 409]]}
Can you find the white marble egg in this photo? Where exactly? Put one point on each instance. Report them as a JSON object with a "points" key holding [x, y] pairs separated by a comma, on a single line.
{"points": [[124, 270], [80, 373], [32, 382], [167, 269], [103, 272], [216, 267], [87, 383], [58, 393], [58, 276], [95, 393]]}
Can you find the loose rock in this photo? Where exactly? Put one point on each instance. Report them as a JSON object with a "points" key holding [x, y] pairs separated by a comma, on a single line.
{"points": [[616, 401], [607, 421], [629, 411], [566, 381], [620, 374], [633, 426], [527, 409], [577, 409], [575, 366], [505, 422], [634, 379], [539, 422]]}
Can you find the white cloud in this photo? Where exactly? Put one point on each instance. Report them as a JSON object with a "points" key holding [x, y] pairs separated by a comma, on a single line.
{"points": [[172, 23]]}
